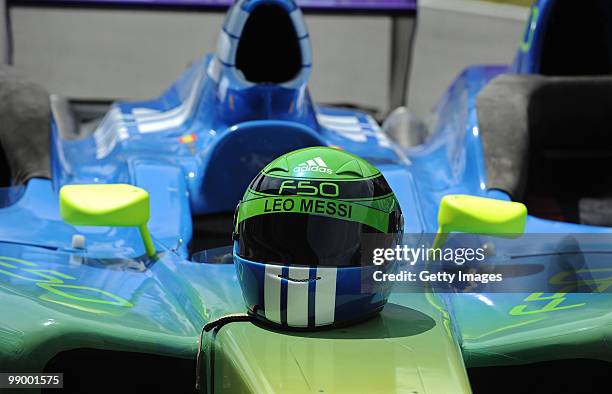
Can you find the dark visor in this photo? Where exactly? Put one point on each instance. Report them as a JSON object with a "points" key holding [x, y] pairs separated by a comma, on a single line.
{"points": [[302, 239]]}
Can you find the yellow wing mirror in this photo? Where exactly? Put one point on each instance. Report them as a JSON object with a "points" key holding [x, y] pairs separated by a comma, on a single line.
{"points": [[117, 205], [479, 215]]}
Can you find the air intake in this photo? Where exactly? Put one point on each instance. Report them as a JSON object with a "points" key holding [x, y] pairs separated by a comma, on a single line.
{"points": [[269, 48]]}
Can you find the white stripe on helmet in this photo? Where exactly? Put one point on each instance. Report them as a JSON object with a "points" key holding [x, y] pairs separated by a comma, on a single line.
{"points": [[272, 293], [325, 296], [297, 297]]}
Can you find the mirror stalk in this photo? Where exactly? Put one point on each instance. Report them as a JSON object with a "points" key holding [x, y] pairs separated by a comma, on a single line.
{"points": [[440, 239], [146, 239]]}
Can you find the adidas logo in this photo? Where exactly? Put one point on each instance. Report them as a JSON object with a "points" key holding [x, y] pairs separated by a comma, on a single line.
{"points": [[314, 165]]}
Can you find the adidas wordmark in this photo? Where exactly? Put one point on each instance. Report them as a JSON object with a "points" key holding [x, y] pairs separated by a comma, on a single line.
{"points": [[313, 165]]}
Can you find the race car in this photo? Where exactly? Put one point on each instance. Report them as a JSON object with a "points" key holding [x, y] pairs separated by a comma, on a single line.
{"points": [[113, 269]]}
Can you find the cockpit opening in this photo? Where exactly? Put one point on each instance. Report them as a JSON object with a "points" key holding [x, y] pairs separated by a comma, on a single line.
{"points": [[577, 40]]}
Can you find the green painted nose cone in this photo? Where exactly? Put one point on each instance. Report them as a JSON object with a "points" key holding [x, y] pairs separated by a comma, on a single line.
{"points": [[321, 163]]}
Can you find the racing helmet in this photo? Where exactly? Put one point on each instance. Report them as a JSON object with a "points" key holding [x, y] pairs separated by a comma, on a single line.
{"points": [[300, 235]]}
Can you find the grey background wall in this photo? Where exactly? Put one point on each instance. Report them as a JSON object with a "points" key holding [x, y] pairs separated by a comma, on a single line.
{"points": [[135, 54], [104, 53], [3, 33], [454, 34]]}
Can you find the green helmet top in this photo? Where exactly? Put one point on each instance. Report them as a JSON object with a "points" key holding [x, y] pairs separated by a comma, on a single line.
{"points": [[321, 163], [322, 181]]}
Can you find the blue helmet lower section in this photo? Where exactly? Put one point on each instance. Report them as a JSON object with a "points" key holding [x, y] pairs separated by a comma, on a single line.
{"points": [[311, 297]]}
